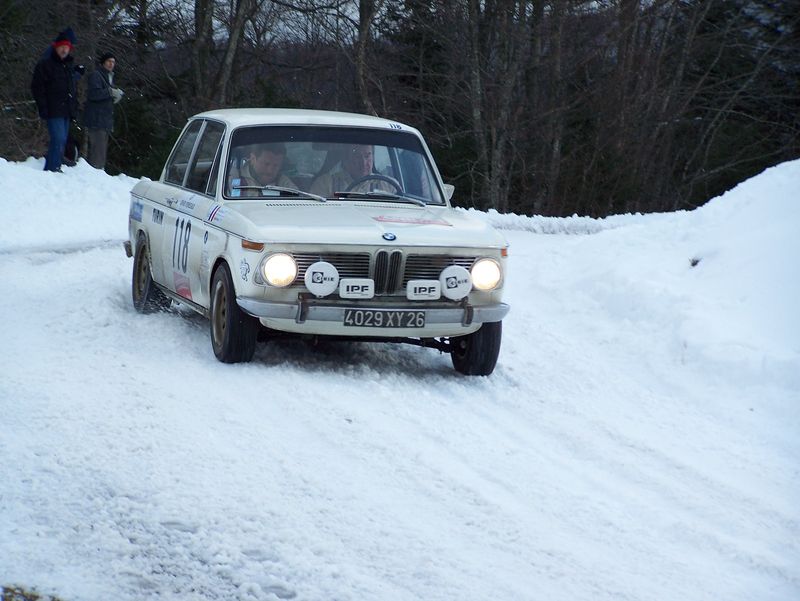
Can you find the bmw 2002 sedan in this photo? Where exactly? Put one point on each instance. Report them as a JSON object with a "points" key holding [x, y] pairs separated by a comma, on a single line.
{"points": [[316, 224]]}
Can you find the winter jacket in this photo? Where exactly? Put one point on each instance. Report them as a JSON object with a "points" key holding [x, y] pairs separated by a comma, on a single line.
{"points": [[53, 87], [98, 112]]}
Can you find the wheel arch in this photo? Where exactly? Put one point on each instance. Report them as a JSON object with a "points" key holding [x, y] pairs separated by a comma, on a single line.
{"points": [[217, 262], [139, 233], [221, 259], [223, 255], [142, 232]]}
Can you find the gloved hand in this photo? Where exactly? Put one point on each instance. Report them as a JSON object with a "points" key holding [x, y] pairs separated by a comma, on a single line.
{"points": [[80, 69], [116, 94]]}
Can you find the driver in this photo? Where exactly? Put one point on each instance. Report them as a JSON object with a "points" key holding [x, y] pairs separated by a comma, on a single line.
{"points": [[356, 164]]}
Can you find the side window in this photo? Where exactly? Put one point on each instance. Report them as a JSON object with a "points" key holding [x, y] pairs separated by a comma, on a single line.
{"points": [[183, 151], [204, 156]]}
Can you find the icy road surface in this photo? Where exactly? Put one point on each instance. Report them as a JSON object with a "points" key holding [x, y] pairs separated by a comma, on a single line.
{"points": [[639, 440]]}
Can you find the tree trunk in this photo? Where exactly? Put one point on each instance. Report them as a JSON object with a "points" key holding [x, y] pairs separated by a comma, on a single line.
{"points": [[366, 13], [203, 13], [243, 11], [477, 98]]}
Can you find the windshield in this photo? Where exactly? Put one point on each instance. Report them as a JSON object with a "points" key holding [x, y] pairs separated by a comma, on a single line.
{"points": [[329, 162]]}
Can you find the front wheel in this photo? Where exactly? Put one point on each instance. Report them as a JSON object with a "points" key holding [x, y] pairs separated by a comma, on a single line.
{"points": [[233, 332], [476, 354], [147, 298]]}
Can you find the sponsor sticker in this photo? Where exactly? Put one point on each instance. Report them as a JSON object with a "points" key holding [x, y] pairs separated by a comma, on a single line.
{"points": [[158, 216], [356, 288], [182, 285], [216, 213], [423, 290], [235, 191], [136, 210], [244, 268], [411, 220]]}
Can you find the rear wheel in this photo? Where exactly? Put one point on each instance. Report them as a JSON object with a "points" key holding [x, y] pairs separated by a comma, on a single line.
{"points": [[233, 332], [476, 354], [147, 298]]}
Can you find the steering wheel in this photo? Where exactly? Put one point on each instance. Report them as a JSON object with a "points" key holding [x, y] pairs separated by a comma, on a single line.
{"points": [[378, 177]]}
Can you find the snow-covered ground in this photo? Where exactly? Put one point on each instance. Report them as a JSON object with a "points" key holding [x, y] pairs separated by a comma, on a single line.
{"points": [[639, 440]]}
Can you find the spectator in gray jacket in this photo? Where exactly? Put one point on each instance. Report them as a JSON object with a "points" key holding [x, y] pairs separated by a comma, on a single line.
{"points": [[98, 114]]}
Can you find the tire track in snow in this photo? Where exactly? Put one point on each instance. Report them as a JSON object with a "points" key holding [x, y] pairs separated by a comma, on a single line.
{"points": [[62, 249]]}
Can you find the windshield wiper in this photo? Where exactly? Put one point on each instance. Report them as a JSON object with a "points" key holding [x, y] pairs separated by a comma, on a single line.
{"points": [[381, 195], [292, 191]]}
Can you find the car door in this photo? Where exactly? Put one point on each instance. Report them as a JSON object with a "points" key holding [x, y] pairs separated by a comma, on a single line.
{"points": [[164, 194], [190, 180], [192, 257]]}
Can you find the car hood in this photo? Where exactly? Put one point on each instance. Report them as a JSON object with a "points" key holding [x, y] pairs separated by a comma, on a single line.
{"points": [[349, 222]]}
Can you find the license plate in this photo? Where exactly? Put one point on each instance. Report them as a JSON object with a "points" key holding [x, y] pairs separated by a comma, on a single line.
{"points": [[375, 318]]}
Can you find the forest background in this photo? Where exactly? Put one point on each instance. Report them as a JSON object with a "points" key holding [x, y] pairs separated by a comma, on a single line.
{"points": [[550, 108]]}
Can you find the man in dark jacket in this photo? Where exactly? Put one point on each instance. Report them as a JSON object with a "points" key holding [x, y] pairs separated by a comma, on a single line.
{"points": [[98, 115], [53, 88]]}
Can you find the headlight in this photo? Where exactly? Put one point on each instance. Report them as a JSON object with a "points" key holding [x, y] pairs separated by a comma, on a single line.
{"points": [[485, 274], [280, 270]]}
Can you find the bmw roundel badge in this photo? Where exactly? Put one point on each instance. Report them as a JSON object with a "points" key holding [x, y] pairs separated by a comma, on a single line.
{"points": [[389, 236]]}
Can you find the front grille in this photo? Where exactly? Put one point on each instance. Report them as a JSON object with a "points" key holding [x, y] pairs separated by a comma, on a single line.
{"points": [[428, 267], [349, 265], [386, 272], [389, 272]]}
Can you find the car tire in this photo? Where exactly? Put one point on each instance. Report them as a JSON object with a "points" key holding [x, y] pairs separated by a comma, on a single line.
{"points": [[233, 332], [147, 298], [476, 354]]}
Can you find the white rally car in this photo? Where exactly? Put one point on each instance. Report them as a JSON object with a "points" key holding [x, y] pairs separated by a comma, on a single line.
{"points": [[316, 223]]}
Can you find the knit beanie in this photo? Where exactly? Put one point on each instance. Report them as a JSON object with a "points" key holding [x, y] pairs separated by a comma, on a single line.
{"points": [[105, 56], [65, 38]]}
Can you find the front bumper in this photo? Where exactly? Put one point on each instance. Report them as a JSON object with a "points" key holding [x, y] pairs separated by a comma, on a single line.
{"points": [[308, 310]]}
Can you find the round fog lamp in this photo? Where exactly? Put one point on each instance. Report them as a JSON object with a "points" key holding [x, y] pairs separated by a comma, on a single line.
{"points": [[455, 282], [485, 274], [321, 278], [280, 270]]}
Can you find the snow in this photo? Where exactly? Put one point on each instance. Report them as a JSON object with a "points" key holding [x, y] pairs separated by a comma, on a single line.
{"points": [[638, 440]]}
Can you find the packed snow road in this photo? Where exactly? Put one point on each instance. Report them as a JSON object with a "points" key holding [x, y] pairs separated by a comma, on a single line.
{"points": [[638, 440]]}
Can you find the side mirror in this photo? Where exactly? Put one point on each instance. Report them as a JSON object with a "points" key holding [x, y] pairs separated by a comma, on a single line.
{"points": [[448, 190]]}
